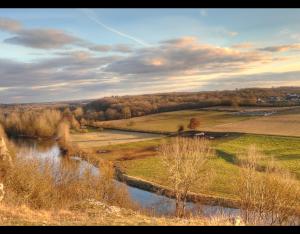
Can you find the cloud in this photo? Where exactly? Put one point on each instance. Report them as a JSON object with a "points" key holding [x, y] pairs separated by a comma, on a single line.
{"points": [[101, 48], [175, 65], [281, 48], [68, 67], [37, 38], [245, 45], [42, 38], [52, 38], [263, 80], [122, 48], [9, 25], [182, 55]]}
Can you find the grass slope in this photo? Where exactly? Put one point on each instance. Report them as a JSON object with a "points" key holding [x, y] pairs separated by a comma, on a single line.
{"points": [[284, 122], [284, 150], [169, 121]]}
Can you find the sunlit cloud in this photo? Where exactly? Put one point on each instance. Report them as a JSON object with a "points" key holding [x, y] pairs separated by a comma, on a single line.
{"points": [[281, 48], [245, 45], [186, 54], [102, 60]]}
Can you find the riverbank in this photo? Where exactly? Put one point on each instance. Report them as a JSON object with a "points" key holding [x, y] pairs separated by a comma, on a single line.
{"points": [[165, 191]]}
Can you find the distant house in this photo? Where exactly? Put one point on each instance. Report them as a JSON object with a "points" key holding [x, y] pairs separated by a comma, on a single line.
{"points": [[293, 97], [274, 99], [260, 100], [200, 134]]}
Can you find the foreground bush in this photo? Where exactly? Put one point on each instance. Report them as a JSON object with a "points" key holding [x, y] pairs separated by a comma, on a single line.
{"points": [[46, 185], [268, 198]]}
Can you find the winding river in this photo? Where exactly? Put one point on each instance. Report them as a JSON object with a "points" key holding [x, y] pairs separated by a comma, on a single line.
{"points": [[160, 205]]}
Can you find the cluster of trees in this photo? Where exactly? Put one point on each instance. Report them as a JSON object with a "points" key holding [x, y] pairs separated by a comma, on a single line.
{"points": [[39, 122], [125, 107]]}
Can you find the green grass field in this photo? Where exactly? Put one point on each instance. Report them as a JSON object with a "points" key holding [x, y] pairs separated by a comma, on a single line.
{"points": [[284, 150]]}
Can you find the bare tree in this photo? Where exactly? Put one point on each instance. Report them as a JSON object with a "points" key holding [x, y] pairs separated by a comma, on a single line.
{"points": [[185, 161]]}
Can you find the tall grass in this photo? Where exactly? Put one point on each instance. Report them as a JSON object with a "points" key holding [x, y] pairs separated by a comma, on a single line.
{"points": [[46, 186]]}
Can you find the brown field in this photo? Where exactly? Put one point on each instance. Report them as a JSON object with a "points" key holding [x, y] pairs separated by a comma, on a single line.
{"points": [[110, 137], [282, 121], [250, 108], [281, 124]]}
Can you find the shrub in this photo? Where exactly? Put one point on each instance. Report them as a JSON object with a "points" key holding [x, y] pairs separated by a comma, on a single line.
{"points": [[268, 198], [46, 185], [194, 123]]}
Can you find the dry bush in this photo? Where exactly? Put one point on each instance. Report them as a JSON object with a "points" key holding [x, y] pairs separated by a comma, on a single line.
{"points": [[111, 191], [194, 123], [268, 198], [6, 154], [185, 161], [43, 184]]}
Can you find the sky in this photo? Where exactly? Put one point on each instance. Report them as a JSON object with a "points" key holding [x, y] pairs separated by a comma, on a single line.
{"points": [[71, 54]]}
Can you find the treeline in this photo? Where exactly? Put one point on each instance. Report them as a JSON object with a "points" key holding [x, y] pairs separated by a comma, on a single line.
{"points": [[123, 107], [42, 120]]}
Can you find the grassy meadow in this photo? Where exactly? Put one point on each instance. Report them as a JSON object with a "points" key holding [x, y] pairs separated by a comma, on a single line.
{"points": [[169, 121], [139, 157], [285, 122], [283, 150]]}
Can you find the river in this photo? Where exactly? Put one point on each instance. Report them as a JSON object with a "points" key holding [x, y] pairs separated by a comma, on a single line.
{"points": [[158, 204]]}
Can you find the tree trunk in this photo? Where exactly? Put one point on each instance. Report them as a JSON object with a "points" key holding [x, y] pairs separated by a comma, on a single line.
{"points": [[179, 207]]}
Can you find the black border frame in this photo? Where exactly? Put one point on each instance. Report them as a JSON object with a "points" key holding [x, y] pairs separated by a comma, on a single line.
{"points": [[150, 4]]}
